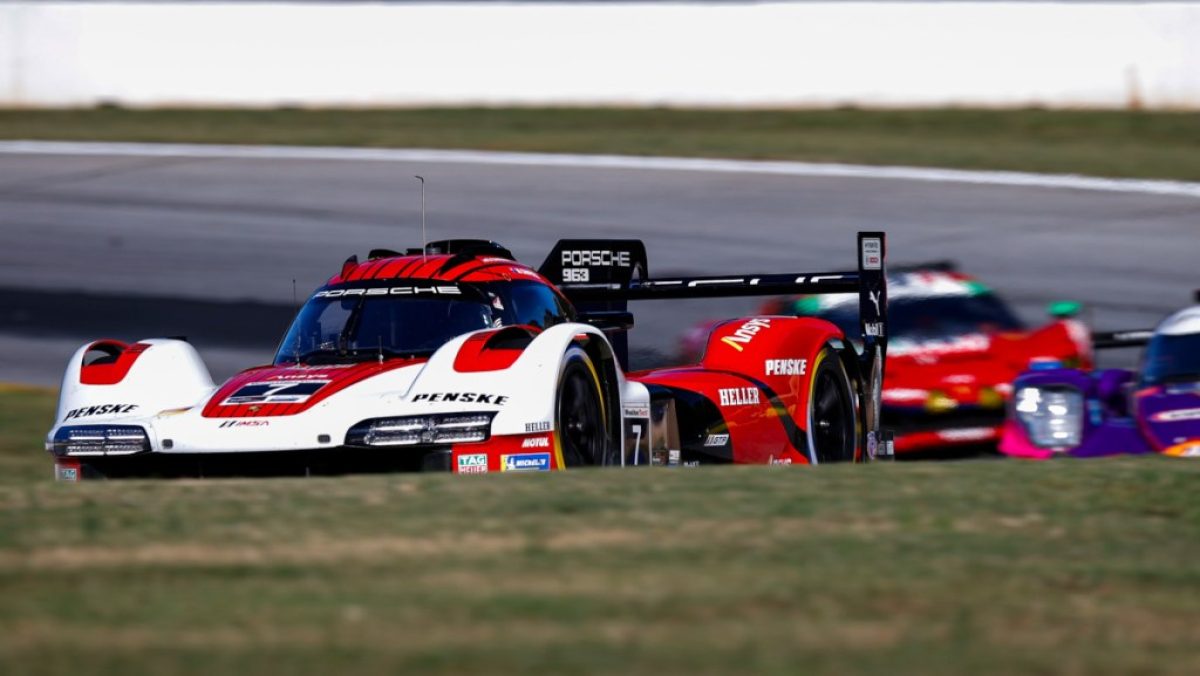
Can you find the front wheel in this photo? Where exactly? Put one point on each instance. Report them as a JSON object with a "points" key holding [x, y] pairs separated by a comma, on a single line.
{"points": [[581, 413], [831, 423]]}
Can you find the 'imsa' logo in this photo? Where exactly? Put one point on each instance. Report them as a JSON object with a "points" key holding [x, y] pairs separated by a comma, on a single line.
{"points": [[525, 462]]}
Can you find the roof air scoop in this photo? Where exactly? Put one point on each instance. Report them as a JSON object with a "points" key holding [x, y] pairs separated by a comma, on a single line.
{"points": [[469, 247]]}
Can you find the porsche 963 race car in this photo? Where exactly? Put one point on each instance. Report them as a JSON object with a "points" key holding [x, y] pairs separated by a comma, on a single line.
{"points": [[455, 357]]}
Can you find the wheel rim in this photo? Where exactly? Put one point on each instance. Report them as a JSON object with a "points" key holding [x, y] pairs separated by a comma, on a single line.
{"points": [[830, 431], [580, 428]]}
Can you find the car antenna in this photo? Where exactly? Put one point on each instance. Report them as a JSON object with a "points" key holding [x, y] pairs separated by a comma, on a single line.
{"points": [[381, 348], [423, 240]]}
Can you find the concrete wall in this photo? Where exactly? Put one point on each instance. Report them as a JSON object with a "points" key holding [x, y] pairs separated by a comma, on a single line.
{"points": [[772, 54]]}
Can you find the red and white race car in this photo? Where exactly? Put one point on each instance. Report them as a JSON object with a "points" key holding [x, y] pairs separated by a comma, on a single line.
{"points": [[954, 350], [456, 357]]}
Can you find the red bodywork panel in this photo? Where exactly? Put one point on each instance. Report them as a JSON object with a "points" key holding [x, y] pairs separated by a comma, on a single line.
{"points": [[493, 350], [756, 371], [113, 372], [760, 423], [439, 267]]}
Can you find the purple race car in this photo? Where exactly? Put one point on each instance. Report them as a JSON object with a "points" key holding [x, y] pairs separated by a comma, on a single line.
{"points": [[1060, 411]]}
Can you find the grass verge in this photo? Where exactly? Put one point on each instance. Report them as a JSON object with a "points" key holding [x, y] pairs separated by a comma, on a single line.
{"points": [[973, 567], [1102, 143]]}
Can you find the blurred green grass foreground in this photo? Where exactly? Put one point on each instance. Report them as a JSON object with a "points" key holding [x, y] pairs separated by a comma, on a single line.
{"points": [[972, 567], [1134, 144]]}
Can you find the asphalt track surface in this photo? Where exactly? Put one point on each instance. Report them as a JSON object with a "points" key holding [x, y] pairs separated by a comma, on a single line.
{"points": [[95, 245]]}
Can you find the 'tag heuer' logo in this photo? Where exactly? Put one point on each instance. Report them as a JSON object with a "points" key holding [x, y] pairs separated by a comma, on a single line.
{"points": [[472, 463]]}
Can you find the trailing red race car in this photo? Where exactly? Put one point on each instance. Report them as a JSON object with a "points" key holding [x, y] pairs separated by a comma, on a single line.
{"points": [[456, 357], [954, 350]]}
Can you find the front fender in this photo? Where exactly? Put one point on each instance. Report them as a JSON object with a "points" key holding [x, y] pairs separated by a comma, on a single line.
{"points": [[132, 382], [523, 393]]}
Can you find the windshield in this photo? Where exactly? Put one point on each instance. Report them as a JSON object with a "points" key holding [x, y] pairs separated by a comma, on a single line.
{"points": [[357, 323], [339, 329], [924, 319], [1172, 359]]}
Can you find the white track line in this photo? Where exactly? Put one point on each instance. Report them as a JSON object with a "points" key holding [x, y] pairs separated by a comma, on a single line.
{"points": [[998, 178]]}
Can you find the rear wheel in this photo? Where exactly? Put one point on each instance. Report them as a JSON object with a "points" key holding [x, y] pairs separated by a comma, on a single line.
{"points": [[831, 424], [581, 414]]}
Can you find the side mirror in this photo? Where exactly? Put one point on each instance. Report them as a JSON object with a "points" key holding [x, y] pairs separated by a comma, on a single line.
{"points": [[1064, 309]]}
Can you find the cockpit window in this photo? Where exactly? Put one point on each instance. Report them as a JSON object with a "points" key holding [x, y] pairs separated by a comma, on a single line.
{"points": [[360, 323], [530, 303], [1171, 359]]}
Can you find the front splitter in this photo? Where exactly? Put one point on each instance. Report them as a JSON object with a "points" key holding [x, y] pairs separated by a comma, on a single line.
{"points": [[314, 462]]}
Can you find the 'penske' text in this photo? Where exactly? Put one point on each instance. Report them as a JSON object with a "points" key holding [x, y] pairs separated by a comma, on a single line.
{"points": [[786, 367], [464, 397]]}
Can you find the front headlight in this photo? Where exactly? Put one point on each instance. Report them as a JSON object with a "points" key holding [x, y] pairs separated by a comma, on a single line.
{"points": [[80, 440], [1052, 416], [440, 428]]}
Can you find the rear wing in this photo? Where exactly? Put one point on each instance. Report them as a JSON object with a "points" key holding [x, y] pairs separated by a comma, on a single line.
{"points": [[601, 276], [1102, 340]]}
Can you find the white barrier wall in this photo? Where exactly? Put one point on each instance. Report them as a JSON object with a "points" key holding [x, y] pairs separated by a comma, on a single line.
{"points": [[773, 54]]}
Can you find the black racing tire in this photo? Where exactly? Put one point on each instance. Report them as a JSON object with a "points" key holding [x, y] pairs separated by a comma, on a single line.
{"points": [[832, 427], [581, 413]]}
